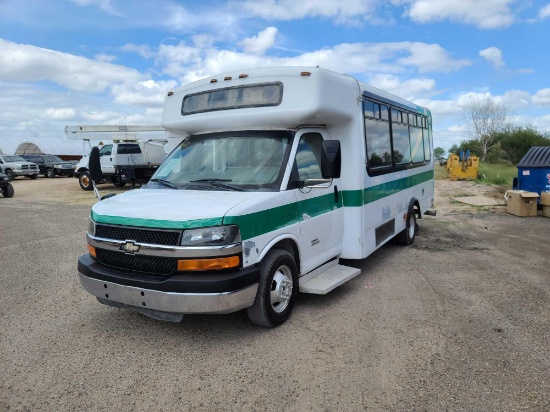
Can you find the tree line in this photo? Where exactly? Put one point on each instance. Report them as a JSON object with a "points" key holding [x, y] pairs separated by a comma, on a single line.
{"points": [[492, 137]]}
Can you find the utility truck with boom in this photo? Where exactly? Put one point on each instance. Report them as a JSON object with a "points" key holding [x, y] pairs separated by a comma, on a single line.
{"points": [[127, 159], [276, 174]]}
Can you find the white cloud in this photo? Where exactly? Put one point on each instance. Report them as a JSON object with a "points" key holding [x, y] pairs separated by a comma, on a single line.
{"points": [[64, 113], [259, 44], [542, 98], [104, 5], [105, 58], [544, 12], [25, 63], [143, 50], [410, 89], [349, 12], [189, 63], [489, 14], [147, 93], [493, 56]]}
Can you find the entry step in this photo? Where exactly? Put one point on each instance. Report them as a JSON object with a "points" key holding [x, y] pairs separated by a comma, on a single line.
{"points": [[321, 281]]}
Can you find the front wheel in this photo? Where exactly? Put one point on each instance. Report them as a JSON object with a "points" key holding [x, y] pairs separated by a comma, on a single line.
{"points": [[85, 181], [277, 291], [406, 237], [33, 177], [50, 173], [10, 174], [8, 190]]}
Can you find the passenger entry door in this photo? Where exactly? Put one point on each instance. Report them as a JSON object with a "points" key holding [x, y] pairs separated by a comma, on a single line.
{"points": [[320, 212]]}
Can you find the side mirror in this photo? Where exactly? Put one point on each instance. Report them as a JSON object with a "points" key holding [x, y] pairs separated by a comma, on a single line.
{"points": [[331, 159]]}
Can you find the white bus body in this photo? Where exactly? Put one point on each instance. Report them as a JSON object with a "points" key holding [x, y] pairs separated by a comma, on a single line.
{"points": [[246, 146]]}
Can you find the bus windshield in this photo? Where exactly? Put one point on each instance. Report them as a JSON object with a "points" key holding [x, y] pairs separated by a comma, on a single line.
{"points": [[227, 161]]}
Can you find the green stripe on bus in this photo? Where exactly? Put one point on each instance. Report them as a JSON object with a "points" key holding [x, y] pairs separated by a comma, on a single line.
{"points": [[259, 223], [357, 198]]}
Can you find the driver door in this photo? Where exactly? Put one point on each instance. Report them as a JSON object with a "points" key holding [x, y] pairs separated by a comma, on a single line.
{"points": [[106, 159]]}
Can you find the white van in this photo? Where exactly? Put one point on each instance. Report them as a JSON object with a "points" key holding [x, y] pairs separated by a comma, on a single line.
{"points": [[276, 174]]}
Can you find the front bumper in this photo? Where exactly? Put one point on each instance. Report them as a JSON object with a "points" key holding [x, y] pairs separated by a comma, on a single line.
{"points": [[19, 172], [207, 292]]}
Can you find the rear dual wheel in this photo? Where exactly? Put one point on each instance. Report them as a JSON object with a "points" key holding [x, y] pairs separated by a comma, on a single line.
{"points": [[277, 291], [406, 237]]}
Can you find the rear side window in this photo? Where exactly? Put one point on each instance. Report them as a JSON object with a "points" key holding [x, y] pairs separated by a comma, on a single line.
{"points": [[128, 149]]}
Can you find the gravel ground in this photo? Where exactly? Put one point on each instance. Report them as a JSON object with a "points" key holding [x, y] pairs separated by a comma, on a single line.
{"points": [[457, 322]]}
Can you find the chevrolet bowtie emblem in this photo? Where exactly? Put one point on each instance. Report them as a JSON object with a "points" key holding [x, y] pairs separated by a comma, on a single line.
{"points": [[129, 247]]}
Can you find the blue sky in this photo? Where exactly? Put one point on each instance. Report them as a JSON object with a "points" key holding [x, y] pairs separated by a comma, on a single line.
{"points": [[68, 62]]}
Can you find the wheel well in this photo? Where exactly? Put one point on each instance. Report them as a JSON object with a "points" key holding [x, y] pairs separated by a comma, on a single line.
{"points": [[291, 247], [416, 207]]}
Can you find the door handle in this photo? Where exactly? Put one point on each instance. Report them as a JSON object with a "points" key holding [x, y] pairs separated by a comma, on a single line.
{"points": [[335, 194]]}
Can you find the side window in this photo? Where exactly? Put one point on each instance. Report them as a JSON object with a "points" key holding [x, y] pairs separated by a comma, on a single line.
{"points": [[106, 150], [378, 137], [308, 156]]}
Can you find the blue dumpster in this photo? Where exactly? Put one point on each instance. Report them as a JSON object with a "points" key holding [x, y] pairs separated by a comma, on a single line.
{"points": [[534, 170]]}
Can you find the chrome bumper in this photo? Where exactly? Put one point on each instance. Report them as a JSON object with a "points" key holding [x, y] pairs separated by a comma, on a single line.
{"points": [[154, 300]]}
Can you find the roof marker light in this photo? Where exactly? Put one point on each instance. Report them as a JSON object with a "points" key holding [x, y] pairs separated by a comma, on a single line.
{"points": [[170, 93], [243, 76], [305, 74], [214, 81], [228, 78]]}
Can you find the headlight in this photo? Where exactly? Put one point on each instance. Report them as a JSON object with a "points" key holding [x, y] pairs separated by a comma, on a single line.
{"points": [[211, 236], [17, 167], [57, 166], [91, 227]]}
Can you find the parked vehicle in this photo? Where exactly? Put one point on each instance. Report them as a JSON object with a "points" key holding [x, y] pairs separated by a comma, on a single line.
{"points": [[123, 162], [14, 166], [51, 165], [277, 174], [5, 186]]}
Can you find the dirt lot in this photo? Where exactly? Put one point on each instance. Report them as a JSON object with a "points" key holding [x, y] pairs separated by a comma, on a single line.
{"points": [[457, 322]]}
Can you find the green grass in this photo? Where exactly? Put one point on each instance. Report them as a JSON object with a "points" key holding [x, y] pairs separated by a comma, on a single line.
{"points": [[500, 174]]}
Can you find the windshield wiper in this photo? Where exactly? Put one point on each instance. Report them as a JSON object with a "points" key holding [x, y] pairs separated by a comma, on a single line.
{"points": [[166, 183], [219, 183]]}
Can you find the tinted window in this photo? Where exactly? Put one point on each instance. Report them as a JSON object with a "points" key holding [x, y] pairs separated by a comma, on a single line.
{"points": [[417, 147], [378, 143], [401, 146], [427, 150], [128, 149]]}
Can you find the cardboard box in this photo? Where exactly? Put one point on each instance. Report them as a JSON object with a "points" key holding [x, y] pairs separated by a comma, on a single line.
{"points": [[546, 211], [545, 198], [521, 203]]}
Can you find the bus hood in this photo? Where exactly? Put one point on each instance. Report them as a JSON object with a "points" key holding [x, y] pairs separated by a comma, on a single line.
{"points": [[168, 208]]}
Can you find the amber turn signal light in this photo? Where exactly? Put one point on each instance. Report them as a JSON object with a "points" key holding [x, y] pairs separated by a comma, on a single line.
{"points": [[209, 264], [92, 251]]}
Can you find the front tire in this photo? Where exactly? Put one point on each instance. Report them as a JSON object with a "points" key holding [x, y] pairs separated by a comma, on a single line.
{"points": [[49, 173], [8, 190], [10, 174], [85, 181], [33, 177], [277, 291]]}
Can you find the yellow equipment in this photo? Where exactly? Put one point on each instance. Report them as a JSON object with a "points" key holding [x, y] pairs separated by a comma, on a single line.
{"points": [[463, 167]]}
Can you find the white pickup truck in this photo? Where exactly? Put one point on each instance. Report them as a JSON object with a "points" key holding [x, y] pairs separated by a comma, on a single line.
{"points": [[123, 162]]}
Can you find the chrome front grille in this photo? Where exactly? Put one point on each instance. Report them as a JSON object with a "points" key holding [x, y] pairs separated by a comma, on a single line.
{"points": [[29, 167], [138, 263], [155, 237]]}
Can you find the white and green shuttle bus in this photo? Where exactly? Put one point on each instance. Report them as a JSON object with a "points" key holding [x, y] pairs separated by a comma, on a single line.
{"points": [[275, 175]]}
